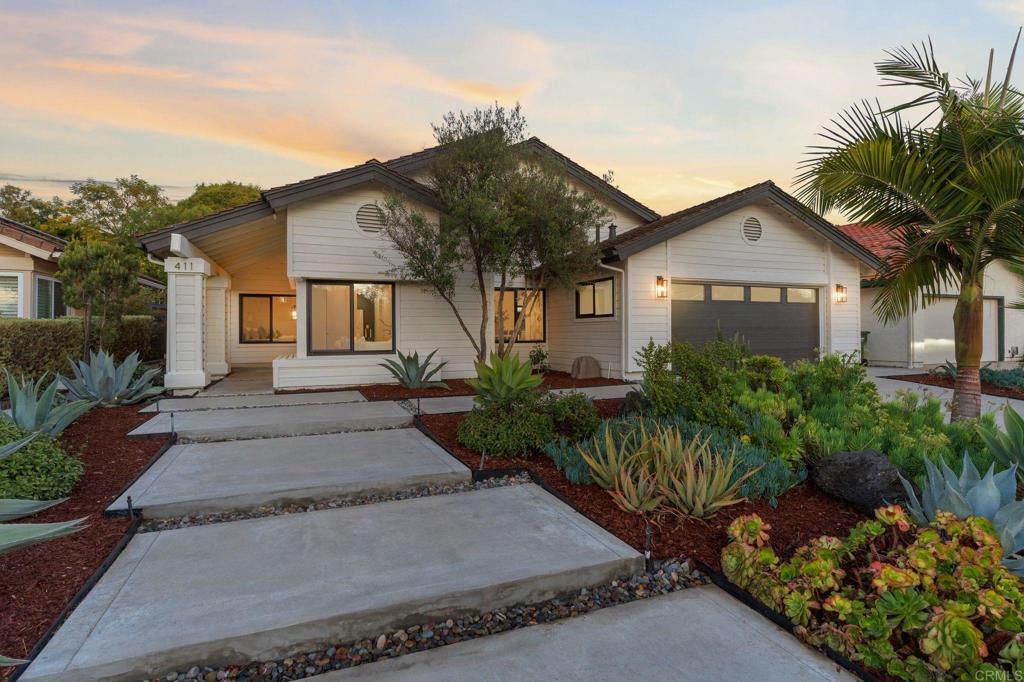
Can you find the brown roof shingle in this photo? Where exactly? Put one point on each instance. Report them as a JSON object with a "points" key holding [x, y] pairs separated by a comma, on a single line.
{"points": [[30, 236]]}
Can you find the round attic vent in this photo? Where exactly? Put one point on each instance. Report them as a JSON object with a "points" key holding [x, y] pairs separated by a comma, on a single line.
{"points": [[370, 218], [752, 230]]}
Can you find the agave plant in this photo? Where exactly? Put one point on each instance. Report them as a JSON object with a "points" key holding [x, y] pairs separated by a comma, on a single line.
{"points": [[109, 384], [411, 373], [992, 496], [635, 490], [503, 381], [1008, 447], [695, 480], [606, 455], [45, 413]]}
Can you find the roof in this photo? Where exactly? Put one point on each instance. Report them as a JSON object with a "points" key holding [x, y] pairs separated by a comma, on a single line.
{"points": [[879, 240], [30, 236], [645, 236]]}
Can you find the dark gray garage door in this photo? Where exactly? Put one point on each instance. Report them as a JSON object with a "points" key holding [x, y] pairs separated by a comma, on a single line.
{"points": [[780, 321]]}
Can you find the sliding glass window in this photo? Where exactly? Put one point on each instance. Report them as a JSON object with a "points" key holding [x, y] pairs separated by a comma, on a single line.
{"points": [[266, 318], [351, 317]]}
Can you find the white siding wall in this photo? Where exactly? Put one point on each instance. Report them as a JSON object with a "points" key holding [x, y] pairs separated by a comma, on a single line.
{"points": [[188, 298], [888, 345], [649, 316], [842, 329], [569, 338], [269, 279]]}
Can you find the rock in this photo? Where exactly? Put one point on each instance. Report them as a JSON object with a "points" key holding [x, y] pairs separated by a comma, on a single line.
{"points": [[634, 403], [586, 367], [866, 479]]}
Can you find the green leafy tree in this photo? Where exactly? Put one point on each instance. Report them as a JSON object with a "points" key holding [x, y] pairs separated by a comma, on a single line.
{"points": [[126, 206], [949, 186], [19, 205], [206, 199], [99, 275]]}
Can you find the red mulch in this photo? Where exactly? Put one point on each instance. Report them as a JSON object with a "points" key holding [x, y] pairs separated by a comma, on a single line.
{"points": [[460, 387], [802, 514], [38, 581], [946, 382]]}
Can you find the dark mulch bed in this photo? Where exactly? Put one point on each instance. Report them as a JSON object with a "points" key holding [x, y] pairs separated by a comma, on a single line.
{"points": [[802, 514], [38, 581], [946, 382], [460, 387]]}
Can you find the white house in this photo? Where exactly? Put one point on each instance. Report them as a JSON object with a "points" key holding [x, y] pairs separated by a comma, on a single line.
{"points": [[28, 267], [925, 338], [293, 280]]}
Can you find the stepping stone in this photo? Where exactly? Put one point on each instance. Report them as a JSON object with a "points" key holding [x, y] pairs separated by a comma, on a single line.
{"points": [[202, 478], [270, 422], [259, 400], [695, 635], [230, 593], [456, 403]]}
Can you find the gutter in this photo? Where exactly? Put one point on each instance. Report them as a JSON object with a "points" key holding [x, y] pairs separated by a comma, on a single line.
{"points": [[625, 319]]}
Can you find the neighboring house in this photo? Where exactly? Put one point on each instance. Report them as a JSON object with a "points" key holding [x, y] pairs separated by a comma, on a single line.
{"points": [[28, 266], [925, 338], [293, 280]]}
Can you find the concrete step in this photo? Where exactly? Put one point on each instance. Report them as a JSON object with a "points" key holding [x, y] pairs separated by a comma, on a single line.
{"points": [[259, 400], [695, 635], [271, 422], [202, 478], [230, 593]]}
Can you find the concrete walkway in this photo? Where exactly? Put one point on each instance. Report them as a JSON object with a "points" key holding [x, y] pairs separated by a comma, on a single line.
{"points": [[264, 588], [243, 380], [203, 478], [464, 403], [270, 422], [228, 402], [696, 635], [888, 387]]}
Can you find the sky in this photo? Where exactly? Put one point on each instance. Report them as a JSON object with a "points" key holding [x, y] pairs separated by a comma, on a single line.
{"points": [[684, 101]]}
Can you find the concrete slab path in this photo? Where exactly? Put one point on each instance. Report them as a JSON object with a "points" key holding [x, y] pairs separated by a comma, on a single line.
{"points": [[464, 403], [696, 635], [269, 422], [243, 380], [202, 478], [231, 593], [228, 402]]}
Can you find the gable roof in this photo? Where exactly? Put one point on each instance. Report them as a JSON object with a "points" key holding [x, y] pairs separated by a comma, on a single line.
{"points": [[877, 239], [32, 238], [645, 236]]}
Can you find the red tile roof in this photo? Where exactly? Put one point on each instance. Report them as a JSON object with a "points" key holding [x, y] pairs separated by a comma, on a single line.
{"points": [[30, 236], [879, 240]]}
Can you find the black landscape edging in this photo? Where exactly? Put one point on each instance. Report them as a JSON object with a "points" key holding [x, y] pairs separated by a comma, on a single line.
{"points": [[171, 441], [752, 602], [77, 599]]}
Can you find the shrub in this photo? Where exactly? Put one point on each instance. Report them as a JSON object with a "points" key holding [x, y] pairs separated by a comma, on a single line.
{"points": [[1005, 378], [517, 432], [134, 334], [918, 603], [539, 359], [39, 471], [573, 415], [503, 382]]}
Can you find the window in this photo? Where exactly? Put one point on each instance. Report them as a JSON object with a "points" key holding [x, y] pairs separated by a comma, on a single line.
{"points": [[10, 295], [595, 299], [794, 295], [351, 317], [726, 293], [687, 292], [514, 303], [49, 298], [266, 318], [765, 294]]}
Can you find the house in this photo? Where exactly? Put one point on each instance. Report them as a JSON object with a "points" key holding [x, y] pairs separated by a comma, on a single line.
{"points": [[925, 338], [293, 280], [28, 266]]}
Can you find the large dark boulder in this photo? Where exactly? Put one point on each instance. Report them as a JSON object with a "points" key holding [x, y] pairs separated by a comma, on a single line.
{"points": [[866, 480]]}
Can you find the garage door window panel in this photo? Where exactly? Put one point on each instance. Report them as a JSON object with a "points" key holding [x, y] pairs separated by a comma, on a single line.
{"points": [[682, 291], [765, 294], [727, 293], [801, 295]]}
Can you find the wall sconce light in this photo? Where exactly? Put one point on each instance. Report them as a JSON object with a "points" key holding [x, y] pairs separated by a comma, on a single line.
{"points": [[295, 314], [841, 295], [661, 287]]}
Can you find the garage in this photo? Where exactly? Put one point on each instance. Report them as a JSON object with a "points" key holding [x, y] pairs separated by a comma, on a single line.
{"points": [[933, 332], [783, 321]]}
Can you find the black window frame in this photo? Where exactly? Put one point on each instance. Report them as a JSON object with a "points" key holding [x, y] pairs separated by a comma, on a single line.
{"points": [[593, 294], [515, 307], [270, 325], [351, 317]]}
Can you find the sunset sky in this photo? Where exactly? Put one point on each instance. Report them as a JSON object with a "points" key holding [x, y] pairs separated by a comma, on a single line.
{"points": [[684, 101]]}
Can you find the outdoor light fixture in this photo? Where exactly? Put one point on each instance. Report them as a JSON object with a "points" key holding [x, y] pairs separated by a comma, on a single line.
{"points": [[295, 315], [660, 287], [841, 296]]}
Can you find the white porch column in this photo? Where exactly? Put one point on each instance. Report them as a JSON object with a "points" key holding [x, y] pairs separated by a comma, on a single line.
{"points": [[186, 305], [216, 326]]}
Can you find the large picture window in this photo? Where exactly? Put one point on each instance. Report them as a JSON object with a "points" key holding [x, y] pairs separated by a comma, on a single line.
{"points": [[351, 317], [596, 298], [266, 318], [49, 298], [513, 306]]}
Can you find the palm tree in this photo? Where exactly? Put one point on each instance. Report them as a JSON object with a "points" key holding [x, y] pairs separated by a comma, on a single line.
{"points": [[949, 187]]}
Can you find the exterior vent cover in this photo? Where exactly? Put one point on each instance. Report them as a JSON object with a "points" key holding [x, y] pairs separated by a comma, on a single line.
{"points": [[370, 218], [752, 230]]}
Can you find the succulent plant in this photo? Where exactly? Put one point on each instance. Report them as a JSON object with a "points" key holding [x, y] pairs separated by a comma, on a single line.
{"points": [[953, 641], [907, 609], [608, 455], [106, 383], [411, 373], [46, 413], [635, 490], [503, 381], [749, 529], [1007, 446], [695, 480]]}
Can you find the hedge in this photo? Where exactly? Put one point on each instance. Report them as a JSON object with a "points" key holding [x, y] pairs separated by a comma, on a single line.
{"points": [[31, 347]]}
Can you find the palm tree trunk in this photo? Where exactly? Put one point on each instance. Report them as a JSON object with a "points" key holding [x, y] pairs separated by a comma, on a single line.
{"points": [[967, 333]]}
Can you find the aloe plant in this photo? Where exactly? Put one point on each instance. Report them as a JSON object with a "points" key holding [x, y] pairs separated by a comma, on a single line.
{"points": [[1008, 447], [44, 413], [411, 373], [105, 382], [503, 381], [992, 496], [694, 479]]}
